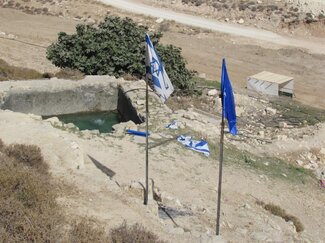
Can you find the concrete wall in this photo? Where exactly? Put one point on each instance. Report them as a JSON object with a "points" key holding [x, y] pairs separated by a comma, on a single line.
{"points": [[287, 87], [263, 86], [54, 97], [126, 108]]}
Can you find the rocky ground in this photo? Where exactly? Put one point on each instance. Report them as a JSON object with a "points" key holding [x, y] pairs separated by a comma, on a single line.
{"points": [[294, 17], [277, 158], [106, 178]]}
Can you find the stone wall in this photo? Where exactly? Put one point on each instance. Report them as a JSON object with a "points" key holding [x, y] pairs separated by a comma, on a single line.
{"points": [[56, 96]]}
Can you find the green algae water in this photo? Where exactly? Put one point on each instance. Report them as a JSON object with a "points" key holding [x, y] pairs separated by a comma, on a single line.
{"points": [[102, 121]]}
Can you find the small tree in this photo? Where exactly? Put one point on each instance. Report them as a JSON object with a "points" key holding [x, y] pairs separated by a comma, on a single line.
{"points": [[116, 47]]}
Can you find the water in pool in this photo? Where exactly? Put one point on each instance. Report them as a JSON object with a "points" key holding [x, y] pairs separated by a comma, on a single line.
{"points": [[102, 121]]}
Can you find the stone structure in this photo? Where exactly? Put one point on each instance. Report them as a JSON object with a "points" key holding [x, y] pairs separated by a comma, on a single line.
{"points": [[58, 96]]}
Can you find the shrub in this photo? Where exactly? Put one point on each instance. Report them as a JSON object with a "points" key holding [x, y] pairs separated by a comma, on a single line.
{"points": [[116, 47], [29, 155], [176, 68], [278, 211], [132, 234], [85, 231], [28, 211]]}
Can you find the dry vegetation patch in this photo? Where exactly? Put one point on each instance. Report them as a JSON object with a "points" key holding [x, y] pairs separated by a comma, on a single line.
{"points": [[29, 211], [8, 72], [278, 211]]}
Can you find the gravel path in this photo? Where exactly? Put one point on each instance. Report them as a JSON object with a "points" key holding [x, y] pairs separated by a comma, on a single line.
{"points": [[243, 31]]}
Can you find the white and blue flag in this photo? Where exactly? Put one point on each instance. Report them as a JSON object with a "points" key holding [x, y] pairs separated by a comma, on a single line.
{"points": [[156, 72], [198, 146]]}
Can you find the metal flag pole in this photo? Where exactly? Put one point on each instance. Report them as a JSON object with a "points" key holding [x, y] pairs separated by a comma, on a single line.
{"points": [[220, 167], [147, 144]]}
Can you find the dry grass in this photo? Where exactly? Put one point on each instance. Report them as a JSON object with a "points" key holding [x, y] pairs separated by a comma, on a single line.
{"points": [[132, 234], [86, 231], [29, 212], [67, 73], [8, 72], [278, 211], [29, 155]]}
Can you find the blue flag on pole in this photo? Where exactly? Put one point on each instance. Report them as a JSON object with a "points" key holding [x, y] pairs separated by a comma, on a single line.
{"points": [[228, 101], [156, 72]]}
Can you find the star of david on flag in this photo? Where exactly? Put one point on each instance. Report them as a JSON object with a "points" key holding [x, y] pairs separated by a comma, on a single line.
{"points": [[156, 72]]}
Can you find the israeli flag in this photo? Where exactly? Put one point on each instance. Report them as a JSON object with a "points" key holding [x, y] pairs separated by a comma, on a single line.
{"points": [[228, 101], [198, 146], [156, 72]]}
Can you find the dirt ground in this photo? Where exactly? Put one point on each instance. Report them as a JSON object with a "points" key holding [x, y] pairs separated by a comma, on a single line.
{"points": [[203, 53], [111, 200], [81, 162]]}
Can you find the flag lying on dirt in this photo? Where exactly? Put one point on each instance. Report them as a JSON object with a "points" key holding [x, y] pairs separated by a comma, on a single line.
{"points": [[156, 72], [198, 146], [228, 101]]}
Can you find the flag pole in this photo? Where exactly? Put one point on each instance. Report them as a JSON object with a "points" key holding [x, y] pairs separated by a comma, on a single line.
{"points": [[220, 167], [147, 145]]}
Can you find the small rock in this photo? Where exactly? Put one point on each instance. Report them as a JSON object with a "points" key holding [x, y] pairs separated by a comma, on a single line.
{"points": [[322, 151], [299, 162], [35, 117], [259, 236], [211, 239], [74, 145], [11, 36], [240, 111], [283, 125], [213, 92], [155, 136], [178, 203], [141, 102], [95, 132], [202, 75], [247, 206], [54, 121], [241, 21], [91, 21], [261, 133], [270, 111], [69, 125], [159, 21], [189, 115], [282, 137]]}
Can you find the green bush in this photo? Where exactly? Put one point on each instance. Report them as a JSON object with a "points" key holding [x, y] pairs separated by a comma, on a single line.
{"points": [[116, 47]]}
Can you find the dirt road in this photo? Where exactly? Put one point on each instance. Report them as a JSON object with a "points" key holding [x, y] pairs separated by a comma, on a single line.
{"points": [[314, 46]]}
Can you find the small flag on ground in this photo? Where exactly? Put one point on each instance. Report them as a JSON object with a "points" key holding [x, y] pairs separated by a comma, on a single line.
{"points": [[198, 146], [155, 71], [228, 102]]}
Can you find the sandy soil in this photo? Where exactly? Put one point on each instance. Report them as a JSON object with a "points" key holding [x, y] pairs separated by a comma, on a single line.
{"points": [[113, 200], [203, 53]]}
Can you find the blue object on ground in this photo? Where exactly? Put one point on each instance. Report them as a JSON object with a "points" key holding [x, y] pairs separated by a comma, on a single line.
{"points": [[137, 133], [198, 146], [172, 125]]}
